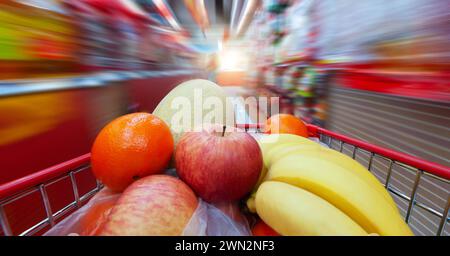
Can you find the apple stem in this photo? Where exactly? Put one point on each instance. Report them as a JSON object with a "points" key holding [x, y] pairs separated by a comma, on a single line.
{"points": [[223, 132]]}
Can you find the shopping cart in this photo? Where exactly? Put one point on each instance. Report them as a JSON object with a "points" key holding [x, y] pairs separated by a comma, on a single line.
{"points": [[39, 181]]}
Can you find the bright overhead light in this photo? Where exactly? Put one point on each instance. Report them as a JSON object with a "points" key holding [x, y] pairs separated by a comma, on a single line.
{"points": [[232, 59]]}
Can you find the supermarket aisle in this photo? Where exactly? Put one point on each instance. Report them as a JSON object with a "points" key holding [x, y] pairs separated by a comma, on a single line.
{"points": [[243, 113], [378, 71]]}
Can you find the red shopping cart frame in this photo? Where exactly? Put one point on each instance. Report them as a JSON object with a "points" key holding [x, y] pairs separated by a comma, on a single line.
{"points": [[13, 190]]}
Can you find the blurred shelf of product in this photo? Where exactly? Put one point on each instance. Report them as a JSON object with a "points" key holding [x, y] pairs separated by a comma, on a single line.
{"points": [[35, 37], [283, 34], [395, 48], [53, 83], [48, 38]]}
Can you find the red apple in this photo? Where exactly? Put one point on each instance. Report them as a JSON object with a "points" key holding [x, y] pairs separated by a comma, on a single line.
{"points": [[157, 205], [218, 164]]}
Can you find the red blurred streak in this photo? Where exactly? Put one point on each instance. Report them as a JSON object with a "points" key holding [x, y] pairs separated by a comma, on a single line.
{"points": [[435, 87], [113, 6], [383, 77]]}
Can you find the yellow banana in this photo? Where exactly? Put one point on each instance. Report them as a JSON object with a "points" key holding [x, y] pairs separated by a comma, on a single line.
{"points": [[269, 141], [350, 164], [342, 160], [270, 154], [261, 177], [281, 150], [293, 211], [266, 144], [342, 188], [251, 203], [251, 198]]}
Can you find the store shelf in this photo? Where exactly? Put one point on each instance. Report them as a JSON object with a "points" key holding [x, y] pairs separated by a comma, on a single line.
{"points": [[16, 87], [280, 91]]}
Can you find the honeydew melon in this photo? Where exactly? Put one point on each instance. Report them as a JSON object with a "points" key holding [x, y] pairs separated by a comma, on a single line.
{"points": [[193, 103]]}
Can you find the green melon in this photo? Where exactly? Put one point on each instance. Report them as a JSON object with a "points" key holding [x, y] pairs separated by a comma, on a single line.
{"points": [[193, 103]]}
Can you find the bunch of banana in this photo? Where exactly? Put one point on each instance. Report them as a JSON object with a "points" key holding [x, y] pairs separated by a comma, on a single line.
{"points": [[307, 189]]}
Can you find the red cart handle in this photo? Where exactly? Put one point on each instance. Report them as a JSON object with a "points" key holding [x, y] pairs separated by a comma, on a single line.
{"points": [[13, 187]]}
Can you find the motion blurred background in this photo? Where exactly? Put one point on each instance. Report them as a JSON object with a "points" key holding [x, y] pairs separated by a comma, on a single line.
{"points": [[374, 70]]}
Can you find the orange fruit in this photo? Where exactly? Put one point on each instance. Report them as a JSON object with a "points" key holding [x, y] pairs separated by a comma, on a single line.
{"points": [[262, 229], [285, 123], [130, 147]]}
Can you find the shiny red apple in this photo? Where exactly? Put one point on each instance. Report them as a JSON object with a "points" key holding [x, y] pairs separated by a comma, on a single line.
{"points": [[157, 205], [219, 163]]}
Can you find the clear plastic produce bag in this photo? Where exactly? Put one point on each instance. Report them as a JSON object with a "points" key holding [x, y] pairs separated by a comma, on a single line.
{"points": [[217, 220], [87, 220], [223, 219]]}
